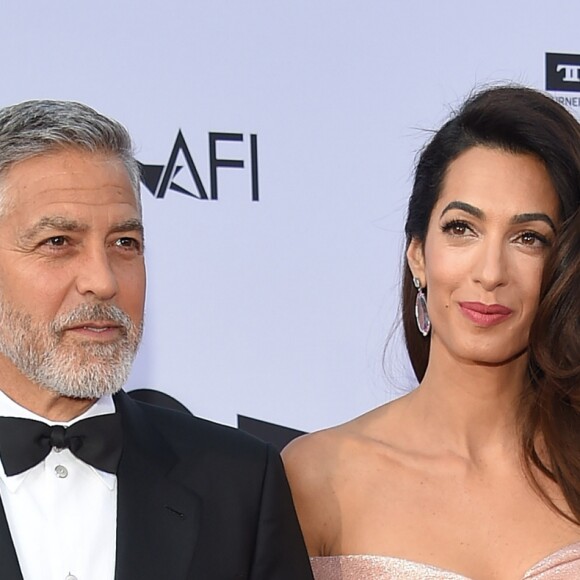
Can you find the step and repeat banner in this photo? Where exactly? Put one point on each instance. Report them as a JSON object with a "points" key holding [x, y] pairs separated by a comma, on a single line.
{"points": [[277, 142]]}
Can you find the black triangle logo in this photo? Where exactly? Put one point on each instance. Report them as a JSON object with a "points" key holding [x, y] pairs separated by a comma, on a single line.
{"points": [[151, 176]]}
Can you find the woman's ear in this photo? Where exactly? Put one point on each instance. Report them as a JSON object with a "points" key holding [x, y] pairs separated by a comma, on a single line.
{"points": [[416, 260]]}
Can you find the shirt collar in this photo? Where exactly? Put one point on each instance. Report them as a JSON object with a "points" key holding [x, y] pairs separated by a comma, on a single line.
{"points": [[9, 408]]}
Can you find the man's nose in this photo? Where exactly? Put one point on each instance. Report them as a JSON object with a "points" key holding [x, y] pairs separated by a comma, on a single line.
{"points": [[95, 274]]}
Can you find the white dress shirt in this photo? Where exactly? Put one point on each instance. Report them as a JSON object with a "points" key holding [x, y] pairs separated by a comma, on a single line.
{"points": [[62, 513]]}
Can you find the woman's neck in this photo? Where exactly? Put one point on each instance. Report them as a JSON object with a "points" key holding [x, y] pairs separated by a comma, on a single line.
{"points": [[470, 407]]}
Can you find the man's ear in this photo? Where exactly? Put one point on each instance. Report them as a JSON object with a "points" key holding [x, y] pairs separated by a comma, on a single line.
{"points": [[416, 260]]}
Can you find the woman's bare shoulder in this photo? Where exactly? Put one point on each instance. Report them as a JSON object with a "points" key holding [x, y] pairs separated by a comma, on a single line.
{"points": [[326, 450], [323, 451], [311, 460], [317, 466]]}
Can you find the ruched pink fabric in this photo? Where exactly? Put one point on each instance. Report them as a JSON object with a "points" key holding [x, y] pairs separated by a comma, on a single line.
{"points": [[563, 564]]}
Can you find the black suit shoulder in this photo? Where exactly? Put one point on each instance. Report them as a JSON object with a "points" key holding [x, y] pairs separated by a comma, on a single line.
{"points": [[246, 526], [195, 437]]}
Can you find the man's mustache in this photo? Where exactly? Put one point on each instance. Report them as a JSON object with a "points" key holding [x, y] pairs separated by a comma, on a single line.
{"points": [[93, 312]]}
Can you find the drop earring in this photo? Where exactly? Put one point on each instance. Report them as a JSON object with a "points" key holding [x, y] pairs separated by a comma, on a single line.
{"points": [[421, 314]]}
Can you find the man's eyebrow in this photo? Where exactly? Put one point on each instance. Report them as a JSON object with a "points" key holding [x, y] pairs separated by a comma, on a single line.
{"points": [[466, 207], [65, 224], [52, 223], [131, 225], [534, 217]]}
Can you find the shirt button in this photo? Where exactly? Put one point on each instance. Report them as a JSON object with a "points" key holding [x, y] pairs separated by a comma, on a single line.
{"points": [[61, 471]]}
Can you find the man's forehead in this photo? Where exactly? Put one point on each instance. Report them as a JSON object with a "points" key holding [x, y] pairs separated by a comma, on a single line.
{"points": [[64, 161], [68, 176]]}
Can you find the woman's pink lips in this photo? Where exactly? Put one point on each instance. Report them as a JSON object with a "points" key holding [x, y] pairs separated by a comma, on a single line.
{"points": [[485, 314]]}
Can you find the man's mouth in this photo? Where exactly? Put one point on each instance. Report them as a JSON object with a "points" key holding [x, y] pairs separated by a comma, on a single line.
{"points": [[92, 329]]}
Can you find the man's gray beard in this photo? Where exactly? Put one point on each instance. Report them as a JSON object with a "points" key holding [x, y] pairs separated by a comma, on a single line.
{"points": [[80, 369]]}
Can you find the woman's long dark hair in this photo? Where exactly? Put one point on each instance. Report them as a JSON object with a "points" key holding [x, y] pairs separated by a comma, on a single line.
{"points": [[552, 406], [517, 120]]}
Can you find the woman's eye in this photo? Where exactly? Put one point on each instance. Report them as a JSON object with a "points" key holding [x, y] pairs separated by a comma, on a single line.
{"points": [[533, 239], [456, 228]]}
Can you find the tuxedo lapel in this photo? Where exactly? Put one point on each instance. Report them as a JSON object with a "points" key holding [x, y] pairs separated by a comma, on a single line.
{"points": [[157, 516], [8, 559]]}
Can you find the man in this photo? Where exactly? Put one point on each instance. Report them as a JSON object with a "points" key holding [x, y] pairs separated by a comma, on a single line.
{"points": [[127, 491]]}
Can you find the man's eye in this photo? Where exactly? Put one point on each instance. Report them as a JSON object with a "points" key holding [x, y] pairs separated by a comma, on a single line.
{"points": [[55, 241], [128, 243]]}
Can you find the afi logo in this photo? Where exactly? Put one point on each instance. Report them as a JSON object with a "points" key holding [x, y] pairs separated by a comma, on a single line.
{"points": [[160, 178], [562, 72]]}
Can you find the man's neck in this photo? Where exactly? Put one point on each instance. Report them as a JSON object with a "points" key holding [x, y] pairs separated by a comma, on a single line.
{"points": [[40, 400]]}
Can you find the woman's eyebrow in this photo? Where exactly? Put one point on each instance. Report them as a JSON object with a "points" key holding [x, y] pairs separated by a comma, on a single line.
{"points": [[534, 217], [466, 207], [517, 219]]}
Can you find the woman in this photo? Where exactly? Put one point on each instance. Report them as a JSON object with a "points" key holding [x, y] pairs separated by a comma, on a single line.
{"points": [[463, 477]]}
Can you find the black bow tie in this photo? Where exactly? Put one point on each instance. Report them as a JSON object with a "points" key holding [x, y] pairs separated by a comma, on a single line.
{"points": [[24, 443]]}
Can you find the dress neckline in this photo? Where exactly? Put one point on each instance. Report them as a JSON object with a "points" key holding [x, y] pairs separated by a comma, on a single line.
{"points": [[539, 566]]}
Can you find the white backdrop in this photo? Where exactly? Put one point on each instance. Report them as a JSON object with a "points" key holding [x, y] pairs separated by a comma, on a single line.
{"points": [[277, 309]]}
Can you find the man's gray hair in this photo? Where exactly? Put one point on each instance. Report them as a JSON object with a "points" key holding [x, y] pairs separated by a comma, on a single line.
{"points": [[36, 127]]}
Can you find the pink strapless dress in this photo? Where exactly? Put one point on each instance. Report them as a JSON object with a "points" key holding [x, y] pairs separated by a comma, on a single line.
{"points": [[563, 564]]}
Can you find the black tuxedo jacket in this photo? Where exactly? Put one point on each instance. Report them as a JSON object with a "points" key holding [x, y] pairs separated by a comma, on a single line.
{"points": [[196, 501]]}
